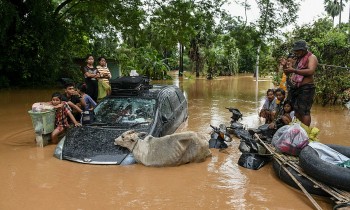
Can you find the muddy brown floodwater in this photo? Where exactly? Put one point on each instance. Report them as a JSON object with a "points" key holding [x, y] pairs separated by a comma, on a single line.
{"points": [[31, 178]]}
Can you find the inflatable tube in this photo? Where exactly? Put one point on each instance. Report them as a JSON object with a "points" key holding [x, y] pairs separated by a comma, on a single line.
{"points": [[307, 184], [323, 171]]}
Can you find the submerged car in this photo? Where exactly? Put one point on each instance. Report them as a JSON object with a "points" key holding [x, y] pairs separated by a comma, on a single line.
{"points": [[158, 110]]}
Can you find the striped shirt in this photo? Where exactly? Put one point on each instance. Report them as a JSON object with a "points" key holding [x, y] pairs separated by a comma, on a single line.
{"points": [[104, 70]]}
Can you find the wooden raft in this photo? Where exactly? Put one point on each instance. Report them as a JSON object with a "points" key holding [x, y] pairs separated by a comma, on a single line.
{"points": [[338, 196]]}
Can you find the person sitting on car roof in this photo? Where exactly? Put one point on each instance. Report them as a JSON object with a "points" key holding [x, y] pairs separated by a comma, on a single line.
{"points": [[74, 100]]}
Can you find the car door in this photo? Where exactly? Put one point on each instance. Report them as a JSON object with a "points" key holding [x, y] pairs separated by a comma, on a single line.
{"points": [[177, 109], [166, 116], [183, 106]]}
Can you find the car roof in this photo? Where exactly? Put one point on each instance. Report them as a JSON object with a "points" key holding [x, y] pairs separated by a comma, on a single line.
{"points": [[152, 93]]}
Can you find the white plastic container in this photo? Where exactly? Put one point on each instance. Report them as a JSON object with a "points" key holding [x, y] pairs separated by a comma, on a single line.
{"points": [[43, 124]]}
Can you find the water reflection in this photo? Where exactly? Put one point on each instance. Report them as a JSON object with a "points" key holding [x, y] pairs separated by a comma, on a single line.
{"points": [[34, 177]]}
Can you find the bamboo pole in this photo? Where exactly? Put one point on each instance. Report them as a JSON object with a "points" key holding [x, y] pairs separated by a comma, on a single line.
{"points": [[341, 196], [336, 193], [313, 201], [307, 194]]}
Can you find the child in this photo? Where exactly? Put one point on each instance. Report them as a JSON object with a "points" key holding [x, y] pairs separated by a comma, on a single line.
{"points": [[104, 88], [291, 60], [268, 110], [282, 81], [74, 100], [285, 117], [280, 96], [91, 74], [90, 104], [288, 113], [62, 111]]}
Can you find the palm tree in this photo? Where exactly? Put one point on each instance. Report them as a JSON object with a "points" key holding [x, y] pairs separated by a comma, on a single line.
{"points": [[348, 23], [342, 5], [332, 7]]}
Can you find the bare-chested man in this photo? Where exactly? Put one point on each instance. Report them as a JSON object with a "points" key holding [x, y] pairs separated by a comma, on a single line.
{"points": [[301, 81]]}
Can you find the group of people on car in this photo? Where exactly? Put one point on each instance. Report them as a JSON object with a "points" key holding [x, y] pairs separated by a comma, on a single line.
{"points": [[76, 105]]}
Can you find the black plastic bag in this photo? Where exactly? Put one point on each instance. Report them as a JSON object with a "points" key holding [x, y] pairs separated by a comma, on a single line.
{"points": [[248, 145], [253, 160]]}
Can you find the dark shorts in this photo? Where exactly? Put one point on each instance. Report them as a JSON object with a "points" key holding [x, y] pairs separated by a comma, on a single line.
{"points": [[302, 98]]}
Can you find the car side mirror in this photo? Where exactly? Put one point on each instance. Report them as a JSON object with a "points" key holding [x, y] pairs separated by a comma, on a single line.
{"points": [[164, 119]]}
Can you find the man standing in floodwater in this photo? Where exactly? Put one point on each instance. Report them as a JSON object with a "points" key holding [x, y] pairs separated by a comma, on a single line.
{"points": [[300, 82]]}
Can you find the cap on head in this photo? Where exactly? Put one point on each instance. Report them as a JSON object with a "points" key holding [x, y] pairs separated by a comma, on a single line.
{"points": [[300, 45]]}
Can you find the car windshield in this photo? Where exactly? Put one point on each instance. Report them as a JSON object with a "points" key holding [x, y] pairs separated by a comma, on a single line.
{"points": [[125, 110]]}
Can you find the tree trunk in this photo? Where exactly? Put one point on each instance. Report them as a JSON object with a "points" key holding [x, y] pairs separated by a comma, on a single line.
{"points": [[245, 13], [181, 63], [197, 61], [165, 57], [341, 9], [349, 25], [257, 64]]}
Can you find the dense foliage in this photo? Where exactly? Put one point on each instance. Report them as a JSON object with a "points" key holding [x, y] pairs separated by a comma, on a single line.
{"points": [[332, 48], [44, 40]]}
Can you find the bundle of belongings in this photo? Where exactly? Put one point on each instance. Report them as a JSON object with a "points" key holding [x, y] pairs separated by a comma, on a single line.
{"points": [[41, 107], [291, 139], [330, 155]]}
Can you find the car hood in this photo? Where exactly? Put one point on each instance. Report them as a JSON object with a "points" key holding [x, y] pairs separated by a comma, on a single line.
{"points": [[93, 145]]}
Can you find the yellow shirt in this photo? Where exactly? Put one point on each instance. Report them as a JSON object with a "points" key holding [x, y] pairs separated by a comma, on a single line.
{"points": [[283, 82]]}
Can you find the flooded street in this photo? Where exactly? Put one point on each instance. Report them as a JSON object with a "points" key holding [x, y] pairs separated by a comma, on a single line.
{"points": [[31, 178]]}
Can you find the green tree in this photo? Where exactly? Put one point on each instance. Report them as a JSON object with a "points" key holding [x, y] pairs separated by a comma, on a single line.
{"points": [[42, 39], [247, 40], [274, 14], [333, 8], [30, 46], [332, 49]]}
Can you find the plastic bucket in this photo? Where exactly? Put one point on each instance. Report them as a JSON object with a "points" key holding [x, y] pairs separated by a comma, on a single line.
{"points": [[43, 122]]}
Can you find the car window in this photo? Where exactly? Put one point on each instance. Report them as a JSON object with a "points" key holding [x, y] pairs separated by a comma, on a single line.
{"points": [[180, 95], [125, 110], [165, 108], [174, 100]]}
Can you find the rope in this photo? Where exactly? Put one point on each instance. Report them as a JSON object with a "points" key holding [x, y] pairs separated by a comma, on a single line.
{"points": [[340, 195], [329, 66], [299, 185], [292, 177]]}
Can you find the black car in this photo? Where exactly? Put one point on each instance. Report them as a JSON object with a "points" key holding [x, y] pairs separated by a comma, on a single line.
{"points": [[155, 109]]}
